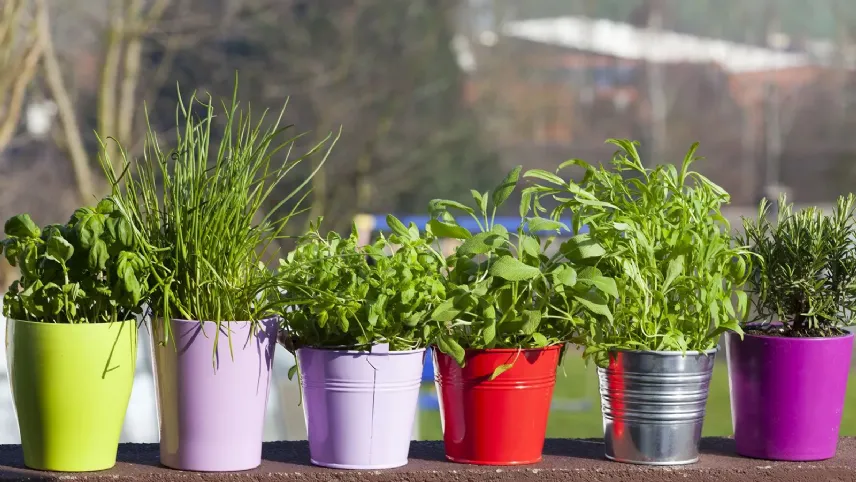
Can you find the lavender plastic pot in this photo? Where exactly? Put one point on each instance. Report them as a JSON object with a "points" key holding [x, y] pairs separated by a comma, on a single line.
{"points": [[212, 403], [360, 406], [787, 394]]}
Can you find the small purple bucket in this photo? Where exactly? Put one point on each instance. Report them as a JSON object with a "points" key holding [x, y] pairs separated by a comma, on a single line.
{"points": [[212, 416], [787, 394], [360, 406]]}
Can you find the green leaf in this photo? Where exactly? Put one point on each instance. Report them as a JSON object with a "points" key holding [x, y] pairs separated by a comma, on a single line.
{"points": [[540, 340], [541, 224], [440, 204], [500, 370], [582, 247], [531, 321], [525, 203], [397, 226], [98, 256], [59, 249], [565, 275], [21, 226], [511, 269], [489, 333], [449, 346], [292, 371], [592, 277], [105, 206], [502, 192], [595, 303], [124, 234], [530, 245], [446, 311], [448, 230], [480, 199], [676, 267], [481, 243], [89, 230], [545, 176], [742, 304]]}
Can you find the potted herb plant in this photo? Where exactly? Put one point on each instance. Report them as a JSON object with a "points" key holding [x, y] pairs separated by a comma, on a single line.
{"points": [[510, 307], [207, 218], [661, 235], [355, 319], [788, 373], [71, 335]]}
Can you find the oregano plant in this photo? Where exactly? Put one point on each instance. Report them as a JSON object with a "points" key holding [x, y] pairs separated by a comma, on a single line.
{"points": [[507, 289], [660, 233], [338, 294], [803, 275], [88, 270]]}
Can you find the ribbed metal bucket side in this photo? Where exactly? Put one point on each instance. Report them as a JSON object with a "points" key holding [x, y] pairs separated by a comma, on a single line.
{"points": [[653, 405], [359, 407]]}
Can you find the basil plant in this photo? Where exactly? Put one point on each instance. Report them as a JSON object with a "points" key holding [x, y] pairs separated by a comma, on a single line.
{"points": [[88, 270]]}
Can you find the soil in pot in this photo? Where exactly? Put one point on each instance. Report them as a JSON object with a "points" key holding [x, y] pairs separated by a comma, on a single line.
{"points": [[212, 393], [360, 406], [501, 421], [787, 393], [71, 384]]}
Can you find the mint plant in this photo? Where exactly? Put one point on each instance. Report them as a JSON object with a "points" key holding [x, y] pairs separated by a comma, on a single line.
{"points": [[506, 289], [804, 270], [661, 235], [88, 270], [337, 294]]}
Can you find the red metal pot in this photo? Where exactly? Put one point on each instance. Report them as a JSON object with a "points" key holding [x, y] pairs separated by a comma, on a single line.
{"points": [[501, 421]]}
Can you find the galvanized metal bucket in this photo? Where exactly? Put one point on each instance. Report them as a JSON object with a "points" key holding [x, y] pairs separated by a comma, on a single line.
{"points": [[653, 405]]}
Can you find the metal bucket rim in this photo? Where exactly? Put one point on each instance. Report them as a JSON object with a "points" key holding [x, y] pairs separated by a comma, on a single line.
{"points": [[666, 352]]}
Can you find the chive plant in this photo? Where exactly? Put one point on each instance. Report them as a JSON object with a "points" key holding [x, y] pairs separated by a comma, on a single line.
{"points": [[199, 209]]}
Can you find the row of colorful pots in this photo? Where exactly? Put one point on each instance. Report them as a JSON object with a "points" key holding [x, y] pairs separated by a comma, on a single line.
{"points": [[71, 385]]}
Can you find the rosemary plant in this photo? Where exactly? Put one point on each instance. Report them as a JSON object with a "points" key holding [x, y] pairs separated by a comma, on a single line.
{"points": [[804, 274], [200, 211]]}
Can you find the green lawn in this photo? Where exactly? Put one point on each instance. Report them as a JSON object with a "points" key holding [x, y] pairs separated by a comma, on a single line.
{"points": [[581, 382]]}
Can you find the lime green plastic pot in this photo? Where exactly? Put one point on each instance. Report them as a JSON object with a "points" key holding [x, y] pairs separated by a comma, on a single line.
{"points": [[71, 384]]}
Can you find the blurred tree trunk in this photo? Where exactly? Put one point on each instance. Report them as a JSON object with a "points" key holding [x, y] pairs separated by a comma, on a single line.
{"points": [[128, 23]]}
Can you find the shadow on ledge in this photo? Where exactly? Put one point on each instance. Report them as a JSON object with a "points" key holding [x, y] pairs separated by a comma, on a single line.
{"points": [[564, 459]]}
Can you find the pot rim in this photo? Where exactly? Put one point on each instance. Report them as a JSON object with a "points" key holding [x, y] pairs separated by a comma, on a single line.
{"points": [[108, 323], [806, 339], [184, 320], [360, 352], [505, 350], [666, 352]]}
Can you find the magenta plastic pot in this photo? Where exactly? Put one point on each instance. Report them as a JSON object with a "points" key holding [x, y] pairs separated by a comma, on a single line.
{"points": [[360, 406], [787, 394], [212, 401]]}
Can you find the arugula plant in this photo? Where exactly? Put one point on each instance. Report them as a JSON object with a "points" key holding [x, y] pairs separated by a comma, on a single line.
{"points": [[661, 235], [202, 210], [506, 290], [337, 294], [88, 270], [804, 274]]}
